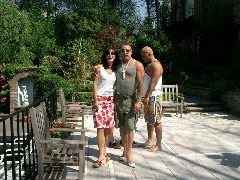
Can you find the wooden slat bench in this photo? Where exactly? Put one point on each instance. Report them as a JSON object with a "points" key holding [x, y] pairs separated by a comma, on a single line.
{"points": [[72, 111], [171, 98], [51, 150]]}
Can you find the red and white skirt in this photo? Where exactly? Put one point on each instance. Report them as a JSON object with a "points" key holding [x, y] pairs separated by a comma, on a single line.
{"points": [[103, 117]]}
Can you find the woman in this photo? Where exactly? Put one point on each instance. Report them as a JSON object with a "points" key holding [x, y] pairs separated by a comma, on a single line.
{"points": [[103, 105]]}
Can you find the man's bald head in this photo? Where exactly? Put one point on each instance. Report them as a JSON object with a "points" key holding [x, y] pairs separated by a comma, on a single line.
{"points": [[147, 54], [147, 50]]}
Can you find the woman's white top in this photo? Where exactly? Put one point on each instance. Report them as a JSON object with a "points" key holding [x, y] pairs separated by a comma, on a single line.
{"points": [[158, 87], [105, 82]]}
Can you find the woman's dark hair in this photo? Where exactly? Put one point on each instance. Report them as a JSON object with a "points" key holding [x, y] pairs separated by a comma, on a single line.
{"points": [[104, 58]]}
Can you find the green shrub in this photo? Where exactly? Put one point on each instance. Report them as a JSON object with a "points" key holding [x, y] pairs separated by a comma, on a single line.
{"points": [[44, 78], [218, 87], [88, 87], [84, 97]]}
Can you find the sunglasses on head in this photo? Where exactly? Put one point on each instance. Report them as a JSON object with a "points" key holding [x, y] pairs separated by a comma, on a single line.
{"points": [[127, 50]]}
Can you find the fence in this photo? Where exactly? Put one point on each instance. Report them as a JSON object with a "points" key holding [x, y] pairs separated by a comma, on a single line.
{"points": [[17, 147]]}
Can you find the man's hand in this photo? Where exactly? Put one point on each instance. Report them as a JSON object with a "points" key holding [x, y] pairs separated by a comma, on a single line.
{"points": [[145, 101], [137, 106]]}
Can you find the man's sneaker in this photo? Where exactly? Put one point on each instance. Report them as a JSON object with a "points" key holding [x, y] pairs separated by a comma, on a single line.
{"points": [[114, 145]]}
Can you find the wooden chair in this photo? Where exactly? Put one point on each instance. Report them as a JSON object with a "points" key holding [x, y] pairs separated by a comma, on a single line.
{"points": [[51, 150], [63, 101], [71, 111], [171, 98]]}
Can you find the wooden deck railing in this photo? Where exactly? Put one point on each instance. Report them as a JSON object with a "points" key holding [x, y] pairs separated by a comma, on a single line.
{"points": [[17, 147]]}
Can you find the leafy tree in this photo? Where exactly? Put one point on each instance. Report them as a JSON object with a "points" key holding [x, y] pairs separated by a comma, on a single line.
{"points": [[42, 39], [24, 37], [161, 49], [216, 34], [74, 25], [158, 17], [82, 55], [14, 32]]}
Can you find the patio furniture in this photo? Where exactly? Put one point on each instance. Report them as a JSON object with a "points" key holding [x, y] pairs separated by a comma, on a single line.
{"points": [[72, 112], [171, 98], [59, 151]]}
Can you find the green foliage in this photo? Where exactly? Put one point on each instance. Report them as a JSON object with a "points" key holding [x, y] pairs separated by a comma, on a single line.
{"points": [[41, 40], [199, 80], [218, 87], [235, 64], [81, 56], [216, 33], [128, 15], [34, 6], [88, 87], [51, 63], [84, 97], [14, 31], [88, 18], [161, 49], [60, 134], [24, 37], [76, 25], [113, 37], [4, 93], [45, 78]]}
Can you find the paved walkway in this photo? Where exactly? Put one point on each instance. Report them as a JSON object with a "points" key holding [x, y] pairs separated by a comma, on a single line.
{"points": [[197, 146]]}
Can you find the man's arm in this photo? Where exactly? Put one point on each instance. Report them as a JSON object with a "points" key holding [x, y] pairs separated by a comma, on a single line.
{"points": [[140, 75], [155, 72]]}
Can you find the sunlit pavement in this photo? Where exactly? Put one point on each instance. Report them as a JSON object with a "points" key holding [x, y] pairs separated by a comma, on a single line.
{"points": [[197, 146]]}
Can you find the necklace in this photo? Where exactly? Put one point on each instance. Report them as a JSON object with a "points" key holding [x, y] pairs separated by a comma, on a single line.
{"points": [[123, 73]]}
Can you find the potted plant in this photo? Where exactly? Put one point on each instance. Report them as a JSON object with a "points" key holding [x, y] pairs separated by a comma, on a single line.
{"points": [[60, 134]]}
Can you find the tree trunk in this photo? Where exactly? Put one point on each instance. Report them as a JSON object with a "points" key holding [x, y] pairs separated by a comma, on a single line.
{"points": [[49, 10], [158, 17], [148, 3]]}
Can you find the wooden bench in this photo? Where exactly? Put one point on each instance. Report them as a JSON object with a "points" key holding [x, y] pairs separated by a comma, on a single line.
{"points": [[51, 150], [171, 98], [72, 111]]}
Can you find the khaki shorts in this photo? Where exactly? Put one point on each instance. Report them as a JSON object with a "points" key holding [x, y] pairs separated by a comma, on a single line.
{"points": [[125, 116]]}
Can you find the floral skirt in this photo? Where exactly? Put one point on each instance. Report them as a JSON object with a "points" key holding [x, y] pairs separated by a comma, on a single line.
{"points": [[103, 117]]}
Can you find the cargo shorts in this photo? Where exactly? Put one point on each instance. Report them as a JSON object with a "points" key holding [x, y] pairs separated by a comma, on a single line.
{"points": [[125, 116]]}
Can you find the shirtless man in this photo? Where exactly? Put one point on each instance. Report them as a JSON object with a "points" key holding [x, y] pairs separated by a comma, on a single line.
{"points": [[152, 98]]}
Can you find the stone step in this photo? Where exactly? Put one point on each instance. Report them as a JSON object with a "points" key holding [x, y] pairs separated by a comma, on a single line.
{"points": [[187, 109], [202, 104], [204, 109]]}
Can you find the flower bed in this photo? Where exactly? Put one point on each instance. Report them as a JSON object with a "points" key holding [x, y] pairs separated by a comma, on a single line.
{"points": [[61, 134]]}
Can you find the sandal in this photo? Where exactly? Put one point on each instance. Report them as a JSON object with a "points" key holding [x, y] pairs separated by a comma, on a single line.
{"points": [[98, 164], [132, 165], [122, 158], [107, 158]]}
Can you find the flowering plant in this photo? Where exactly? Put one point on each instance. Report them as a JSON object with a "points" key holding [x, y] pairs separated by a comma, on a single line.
{"points": [[4, 92], [61, 134]]}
